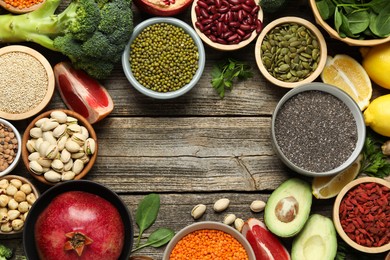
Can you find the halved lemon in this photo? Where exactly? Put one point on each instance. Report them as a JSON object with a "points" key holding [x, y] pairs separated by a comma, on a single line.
{"points": [[346, 73], [329, 186]]}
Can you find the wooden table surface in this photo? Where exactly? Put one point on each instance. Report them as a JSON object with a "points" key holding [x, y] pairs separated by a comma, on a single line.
{"points": [[193, 149]]}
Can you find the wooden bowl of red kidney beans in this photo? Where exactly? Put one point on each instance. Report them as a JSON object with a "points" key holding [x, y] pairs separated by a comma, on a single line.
{"points": [[361, 214], [227, 25]]}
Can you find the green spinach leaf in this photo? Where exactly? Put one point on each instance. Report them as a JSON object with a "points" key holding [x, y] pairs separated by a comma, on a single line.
{"points": [[383, 22], [324, 9], [147, 212], [338, 20], [358, 21]]}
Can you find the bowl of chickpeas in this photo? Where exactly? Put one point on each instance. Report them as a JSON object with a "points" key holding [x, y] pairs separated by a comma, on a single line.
{"points": [[10, 147], [164, 58], [17, 195]]}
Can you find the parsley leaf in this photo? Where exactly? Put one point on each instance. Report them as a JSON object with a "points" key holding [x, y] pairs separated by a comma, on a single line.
{"points": [[226, 72], [374, 163]]}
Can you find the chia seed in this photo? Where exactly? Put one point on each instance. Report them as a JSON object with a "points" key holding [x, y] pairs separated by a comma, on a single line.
{"points": [[315, 131]]}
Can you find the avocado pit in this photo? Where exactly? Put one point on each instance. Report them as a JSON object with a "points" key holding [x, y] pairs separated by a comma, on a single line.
{"points": [[287, 209]]}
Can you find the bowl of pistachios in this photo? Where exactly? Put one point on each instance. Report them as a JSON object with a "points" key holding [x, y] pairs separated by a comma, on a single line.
{"points": [[290, 51], [59, 145]]}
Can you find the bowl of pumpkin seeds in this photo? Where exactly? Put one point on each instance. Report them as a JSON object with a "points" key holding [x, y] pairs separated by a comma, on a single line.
{"points": [[164, 58], [290, 51], [59, 145]]}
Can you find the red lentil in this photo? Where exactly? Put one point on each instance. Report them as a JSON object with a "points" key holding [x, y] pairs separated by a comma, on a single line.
{"points": [[208, 244], [365, 214], [22, 3]]}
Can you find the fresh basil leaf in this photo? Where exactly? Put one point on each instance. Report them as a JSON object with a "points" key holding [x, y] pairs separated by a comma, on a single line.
{"points": [[147, 212], [160, 237], [358, 21]]}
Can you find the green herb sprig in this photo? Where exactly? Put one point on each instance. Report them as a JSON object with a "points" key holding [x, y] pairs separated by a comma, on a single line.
{"points": [[374, 163], [145, 216], [226, 72]]}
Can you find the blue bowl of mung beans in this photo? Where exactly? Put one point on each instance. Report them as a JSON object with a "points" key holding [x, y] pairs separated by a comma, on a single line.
{"points": [[317, 130], [164, 58]]}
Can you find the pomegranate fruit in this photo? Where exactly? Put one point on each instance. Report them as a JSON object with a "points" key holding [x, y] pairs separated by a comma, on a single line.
{"points": [[163, 7], [79, 225]]}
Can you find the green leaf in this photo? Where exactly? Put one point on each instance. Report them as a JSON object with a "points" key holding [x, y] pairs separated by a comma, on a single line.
{"points": [[324, 9], [338, 20], [378, 5], [382, 22], [160, 237], [147, 212], [374, 163], [358, 21]]}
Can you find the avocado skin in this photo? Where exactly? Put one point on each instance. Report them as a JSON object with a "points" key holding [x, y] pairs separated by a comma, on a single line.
{"points": [[301, 191], [319, 232]]}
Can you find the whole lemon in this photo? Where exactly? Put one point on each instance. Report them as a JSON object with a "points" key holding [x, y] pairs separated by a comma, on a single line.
{"points": [[377, 115], [376, 61]]}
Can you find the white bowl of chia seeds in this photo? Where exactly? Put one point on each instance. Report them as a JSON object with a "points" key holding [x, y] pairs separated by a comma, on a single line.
{"points": [[164, 58], [317, 130]]}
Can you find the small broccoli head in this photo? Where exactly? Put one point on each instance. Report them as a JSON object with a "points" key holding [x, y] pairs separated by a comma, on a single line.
{"points": [[96, 68]]}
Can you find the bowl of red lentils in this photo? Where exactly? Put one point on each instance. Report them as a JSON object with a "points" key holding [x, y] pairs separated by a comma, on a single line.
{"points": [[208, 238], [21, 6], [361, 214], [10, 147], [227, 25], [27, 82]]}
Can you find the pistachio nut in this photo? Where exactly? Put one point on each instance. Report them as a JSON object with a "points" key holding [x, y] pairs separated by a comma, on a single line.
{"points": [[229, 219], [40, 121], [38, 143], [84, 131], [198, 211], [49, 125], [78, 138], [68, 166], [257, 205], [35, 167], [65, 156], [72, 146], [59, 131], [71, 120], [44, 162], [73, 128], [59, 116], [30, 145], [68, 175], [52, 176], [48, 136], [33, 156], [36, 132], [78, 166], [57, 165], [221, 204], [85, 159], [61, 142], [51, 152], [43, 148], [78, 155], [89, 146], [238, 224]]}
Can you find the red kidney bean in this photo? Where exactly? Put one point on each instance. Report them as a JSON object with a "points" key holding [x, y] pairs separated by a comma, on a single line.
{"points": [[219, 28], [218, 3], [245, 27], [227, 18], [225, 28], [259, 26], [227, 34], [206, 21], [216, 16], [234, 24], [221, 41], [255, 10], [200, 26], [207, 32], [223, 9], [235, 16], [203, 4], [213, 38], [235, 8], [247, 36], [207, 26], [249, 19], [247, 8], [225, 3], [241, 32], [197, 11], [213, 28], [234, 2], [204, 13], [250, 3], [222, 18], [239, 16]]}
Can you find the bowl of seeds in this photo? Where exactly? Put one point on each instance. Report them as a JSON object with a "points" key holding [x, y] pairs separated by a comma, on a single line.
{"points": [[290, 51], [164, 58], [27, 81], [10, 147], [317, 130], [59, 145]]}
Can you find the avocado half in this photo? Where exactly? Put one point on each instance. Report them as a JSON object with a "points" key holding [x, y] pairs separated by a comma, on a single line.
{"points": [[317, 240], [288, 208]]}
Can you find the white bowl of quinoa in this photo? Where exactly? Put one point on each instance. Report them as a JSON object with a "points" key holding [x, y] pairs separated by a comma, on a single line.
{"points": [[164, 58], [317, 130], [26, 80]]}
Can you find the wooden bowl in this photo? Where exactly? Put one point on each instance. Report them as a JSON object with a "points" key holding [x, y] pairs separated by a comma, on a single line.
{"points": [[308, 25], [335, 35], [218, 46], [82, 122], [50, 82], [14, 234], [336, 217], [17, 10]]}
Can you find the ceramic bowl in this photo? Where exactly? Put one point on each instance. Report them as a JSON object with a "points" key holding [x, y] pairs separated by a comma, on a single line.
{"points": [[334, 34], [17, 10], [220, 46], [77, 185], [336, 214], [34, 190], [287, 160], [19, 149], [171, 94], [82, 122], [213, 226], [322, 52], [44, 97]]}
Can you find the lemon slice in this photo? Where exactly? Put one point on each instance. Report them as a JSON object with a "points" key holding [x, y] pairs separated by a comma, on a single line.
{"points": [[329, 186], [346, 73]]}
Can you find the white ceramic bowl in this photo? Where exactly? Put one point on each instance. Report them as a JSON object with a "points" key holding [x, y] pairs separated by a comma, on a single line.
{"points": [[172, 94], [209, 225], [19, 151], [351, 105]]}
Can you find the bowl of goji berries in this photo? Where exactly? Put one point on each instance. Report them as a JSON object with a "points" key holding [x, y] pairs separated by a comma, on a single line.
{"points": [[361, 214], [209, 238]]}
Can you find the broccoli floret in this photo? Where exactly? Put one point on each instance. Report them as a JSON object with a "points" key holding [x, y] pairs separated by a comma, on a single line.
{"points": [[92, 33], [5, 252]]}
